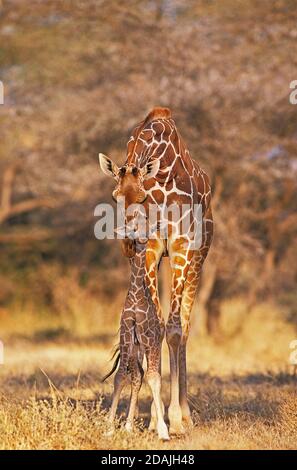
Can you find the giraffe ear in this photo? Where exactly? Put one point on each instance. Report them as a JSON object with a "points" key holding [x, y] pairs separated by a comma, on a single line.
{"points": [[108, 166], [150, 169]]}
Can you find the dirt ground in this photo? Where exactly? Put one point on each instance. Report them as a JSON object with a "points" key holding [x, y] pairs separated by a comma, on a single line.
{"points": [[242, 391]]}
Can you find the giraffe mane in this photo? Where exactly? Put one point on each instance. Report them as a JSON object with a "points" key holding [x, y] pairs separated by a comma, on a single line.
{"points": [[156, 113]]}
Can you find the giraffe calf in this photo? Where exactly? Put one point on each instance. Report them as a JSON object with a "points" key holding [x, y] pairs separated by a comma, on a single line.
{"points": [[140, 334]]}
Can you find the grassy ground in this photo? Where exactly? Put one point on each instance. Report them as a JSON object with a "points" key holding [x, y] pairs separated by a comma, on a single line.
{"points": [[242, 389]]}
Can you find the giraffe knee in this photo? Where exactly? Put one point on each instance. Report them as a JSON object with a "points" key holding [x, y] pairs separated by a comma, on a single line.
{"points": [[154, 379], [120, 379], [184, 338], [185, 333], [173, 335]]}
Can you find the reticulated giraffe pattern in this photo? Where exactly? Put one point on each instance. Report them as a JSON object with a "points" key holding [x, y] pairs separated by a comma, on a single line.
{"points": [[156, 148], [140, 335]]}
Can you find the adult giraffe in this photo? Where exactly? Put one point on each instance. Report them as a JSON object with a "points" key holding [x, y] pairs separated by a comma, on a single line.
{"points": [[159, 170]]}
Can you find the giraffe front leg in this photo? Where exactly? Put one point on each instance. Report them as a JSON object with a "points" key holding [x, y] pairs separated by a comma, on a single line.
{"points": [[183, 396], [153, 421], [154, 252], [173, 337], [154, 381], [180, 259], [188, 298]]}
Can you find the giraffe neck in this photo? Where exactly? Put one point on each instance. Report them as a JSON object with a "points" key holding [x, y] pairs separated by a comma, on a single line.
{"points": [[151, 140], [140, 132], [137, 284]]}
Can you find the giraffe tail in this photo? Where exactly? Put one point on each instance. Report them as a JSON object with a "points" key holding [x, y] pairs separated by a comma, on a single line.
{"points": [[117, 356]]}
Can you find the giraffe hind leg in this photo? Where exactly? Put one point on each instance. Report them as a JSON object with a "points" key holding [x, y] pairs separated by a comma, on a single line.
{"points": [[139, 368], [120, 381], [136, 371]]}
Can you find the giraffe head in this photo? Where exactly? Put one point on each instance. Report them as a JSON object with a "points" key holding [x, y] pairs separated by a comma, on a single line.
{"points": [[129, 179], [130, 190]]}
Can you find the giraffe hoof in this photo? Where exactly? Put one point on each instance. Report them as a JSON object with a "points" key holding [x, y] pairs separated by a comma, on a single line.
{"points": [[152, 426], [188, 422], [128, 427], [163, 432], [177, 429], [164, 438], [109, 432]]}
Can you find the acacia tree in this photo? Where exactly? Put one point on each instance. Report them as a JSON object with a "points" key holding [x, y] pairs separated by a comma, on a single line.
{"points": [[204, 62]]}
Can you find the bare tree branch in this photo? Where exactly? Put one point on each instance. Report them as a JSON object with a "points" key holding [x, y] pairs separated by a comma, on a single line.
{"points": [[7, 208]]}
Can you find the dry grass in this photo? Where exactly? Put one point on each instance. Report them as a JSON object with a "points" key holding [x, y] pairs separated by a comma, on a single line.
{"points": [[242, 391]]}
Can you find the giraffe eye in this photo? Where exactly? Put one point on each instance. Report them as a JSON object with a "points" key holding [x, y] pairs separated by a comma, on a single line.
{"points": [[134, 171], [122, 171]]}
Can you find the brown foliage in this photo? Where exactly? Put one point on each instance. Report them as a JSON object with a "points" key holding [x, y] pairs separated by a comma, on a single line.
{"points": [[78, 75]]}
